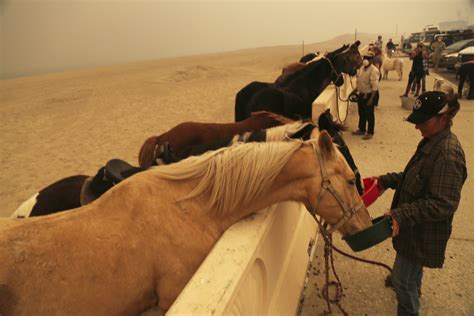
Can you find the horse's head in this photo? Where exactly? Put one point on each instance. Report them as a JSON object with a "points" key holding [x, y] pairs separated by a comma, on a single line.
{"points": [[337, 201], [327, 123], [346, 59]]}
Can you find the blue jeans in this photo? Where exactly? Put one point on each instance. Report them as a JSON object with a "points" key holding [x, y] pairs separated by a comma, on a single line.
{"points": [[406, 279]]}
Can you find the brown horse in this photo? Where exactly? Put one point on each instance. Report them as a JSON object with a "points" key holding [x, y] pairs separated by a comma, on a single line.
{"points": [[189, 134], [287, 71], [141, 242]]}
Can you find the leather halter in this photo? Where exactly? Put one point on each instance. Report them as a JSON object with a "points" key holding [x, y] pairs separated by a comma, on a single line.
{"points": [[347, 211], [333, 69]]}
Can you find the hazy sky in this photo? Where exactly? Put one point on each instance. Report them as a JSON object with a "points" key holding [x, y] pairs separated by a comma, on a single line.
{"points": [[46, 36]]}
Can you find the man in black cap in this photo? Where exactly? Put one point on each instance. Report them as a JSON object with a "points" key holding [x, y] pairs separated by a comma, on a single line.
{"points": [[427, 194]]}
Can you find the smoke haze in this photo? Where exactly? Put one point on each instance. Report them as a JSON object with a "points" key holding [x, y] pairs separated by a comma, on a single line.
{"points": [[49, 36]]}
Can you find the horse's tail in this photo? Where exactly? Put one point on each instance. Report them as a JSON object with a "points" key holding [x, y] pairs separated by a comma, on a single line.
{"points": [[146, 156]]}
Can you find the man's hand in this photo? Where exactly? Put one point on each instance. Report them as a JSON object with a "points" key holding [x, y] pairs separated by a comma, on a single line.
{"points": [[395, 226], [380, 187], [371, 99]]}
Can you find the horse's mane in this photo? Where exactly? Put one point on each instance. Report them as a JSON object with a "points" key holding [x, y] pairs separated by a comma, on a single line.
{"points": [[284, 131], [326, 122], [233, 175]]}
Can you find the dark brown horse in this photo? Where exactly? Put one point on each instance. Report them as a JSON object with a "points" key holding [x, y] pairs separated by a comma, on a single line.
{"points": [[294, 97], [189, 134]]}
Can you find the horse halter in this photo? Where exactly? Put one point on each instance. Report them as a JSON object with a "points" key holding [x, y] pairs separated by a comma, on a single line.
{"points": [[333, 69], [347, 211]]}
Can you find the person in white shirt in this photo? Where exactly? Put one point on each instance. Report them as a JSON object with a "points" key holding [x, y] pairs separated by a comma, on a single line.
{"points": [[379, 42], [367, 91]]}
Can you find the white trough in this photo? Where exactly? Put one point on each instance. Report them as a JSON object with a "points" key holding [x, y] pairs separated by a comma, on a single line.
{"points": [[259, 266]]}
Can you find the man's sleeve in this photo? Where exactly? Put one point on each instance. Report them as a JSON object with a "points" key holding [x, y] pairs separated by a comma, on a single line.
{"points": [[391, 180], [441, 198]]}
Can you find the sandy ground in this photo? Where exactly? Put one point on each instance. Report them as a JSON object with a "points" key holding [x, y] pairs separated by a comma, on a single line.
{"points": [[57, 125], [449, 291]]}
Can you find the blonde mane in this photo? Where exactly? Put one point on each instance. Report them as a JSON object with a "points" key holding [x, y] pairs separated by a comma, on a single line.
{"points": [[284, 131], [233, 175]]}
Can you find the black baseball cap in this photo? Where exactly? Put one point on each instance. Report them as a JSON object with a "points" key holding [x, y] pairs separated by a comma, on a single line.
{"points": [[428, 105]]}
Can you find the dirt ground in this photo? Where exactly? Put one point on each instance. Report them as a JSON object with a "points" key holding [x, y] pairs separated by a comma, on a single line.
{"points": [[58, 125], [447, 291]]}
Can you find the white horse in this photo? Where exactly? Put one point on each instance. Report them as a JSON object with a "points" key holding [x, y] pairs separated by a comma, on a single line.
{"points": [[389, 64]]}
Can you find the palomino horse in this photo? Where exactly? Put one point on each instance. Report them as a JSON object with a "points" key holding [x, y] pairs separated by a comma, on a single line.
{"points": [[194, 133], [294, 99], [327, 123], [141, 242], [78, 190], [389, 64]]}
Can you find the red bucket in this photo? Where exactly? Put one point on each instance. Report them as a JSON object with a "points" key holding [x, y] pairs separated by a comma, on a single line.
{"points": [[371, 191]]}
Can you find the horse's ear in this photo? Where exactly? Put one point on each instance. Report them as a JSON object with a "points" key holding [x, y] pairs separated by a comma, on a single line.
{"points": [[355, 46], [325, 145]]}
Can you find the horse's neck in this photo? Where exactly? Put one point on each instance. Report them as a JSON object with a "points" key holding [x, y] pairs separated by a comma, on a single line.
{"points": [[314, 81], [291, 184]]}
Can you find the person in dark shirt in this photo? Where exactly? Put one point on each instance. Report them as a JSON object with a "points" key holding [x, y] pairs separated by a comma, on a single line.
{"points": [[466, 72], [417, 70], [390, 48], [427, 195]]}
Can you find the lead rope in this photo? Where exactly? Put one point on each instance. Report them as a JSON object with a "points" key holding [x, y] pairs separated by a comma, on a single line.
{"points": [[328, 254], [338, 98]]}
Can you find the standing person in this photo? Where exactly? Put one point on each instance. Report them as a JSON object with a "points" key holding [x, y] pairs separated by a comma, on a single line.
{"points": [[466, 72], [427, 195], [379, 42], [426, 72], [367, 88], [390, 48], [437, 47], [417, 71]]}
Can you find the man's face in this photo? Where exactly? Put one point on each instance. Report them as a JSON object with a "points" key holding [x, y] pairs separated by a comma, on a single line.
{"points": [[430, 127]]}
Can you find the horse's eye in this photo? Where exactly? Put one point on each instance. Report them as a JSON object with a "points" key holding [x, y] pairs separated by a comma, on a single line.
{"points": [[352, 182]]}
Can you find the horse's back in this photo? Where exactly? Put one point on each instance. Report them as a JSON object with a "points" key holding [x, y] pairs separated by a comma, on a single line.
{"points": [[243, 97]]}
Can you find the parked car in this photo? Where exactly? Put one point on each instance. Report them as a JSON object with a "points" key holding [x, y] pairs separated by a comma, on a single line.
{"points": [[449, 57], [467, 54]]}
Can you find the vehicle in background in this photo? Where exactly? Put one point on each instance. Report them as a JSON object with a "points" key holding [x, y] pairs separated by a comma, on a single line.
{"points": [[467, 54], [449, 57], [453, 36], [409, 43], [431, 27]]}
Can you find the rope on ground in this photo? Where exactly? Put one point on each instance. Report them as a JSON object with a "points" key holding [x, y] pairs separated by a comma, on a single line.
{"points": [[328, 254]]}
